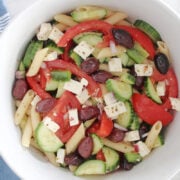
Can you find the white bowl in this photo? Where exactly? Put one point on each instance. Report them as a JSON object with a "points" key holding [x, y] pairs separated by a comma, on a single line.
{"points": [[163, 163]]}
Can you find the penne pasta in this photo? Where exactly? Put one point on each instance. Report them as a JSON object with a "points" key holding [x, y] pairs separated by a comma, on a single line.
{"points": [[52, 158], [153, 134], [124, 23], [116, 17], [120, 146], [37, 61], [27, 133], [107, 52], [61, 27], [23, 107], [65, 19]]}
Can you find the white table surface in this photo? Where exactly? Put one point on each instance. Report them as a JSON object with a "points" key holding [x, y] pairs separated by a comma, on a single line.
{"points": [[17, 6]]}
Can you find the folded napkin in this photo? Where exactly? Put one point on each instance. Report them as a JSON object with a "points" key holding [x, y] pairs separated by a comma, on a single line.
{"points": [[4, 16]]}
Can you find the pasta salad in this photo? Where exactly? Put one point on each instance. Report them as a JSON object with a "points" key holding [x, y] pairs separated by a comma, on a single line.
{"points": [[94, 91]]}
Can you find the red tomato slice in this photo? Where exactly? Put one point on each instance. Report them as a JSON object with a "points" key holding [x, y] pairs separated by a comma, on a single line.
{"points": [[93, 25], [149, 111], [100, 156], [93, 87]]}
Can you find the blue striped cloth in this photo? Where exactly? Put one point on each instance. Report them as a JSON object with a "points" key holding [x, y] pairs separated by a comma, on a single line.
{"points": [[4, 16]]}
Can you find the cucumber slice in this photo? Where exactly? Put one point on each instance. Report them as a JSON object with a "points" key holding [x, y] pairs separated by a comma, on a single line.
{"points": [[135, 56], [59, 75], [97, 144], [88, 14], [141, 50], [21, 66], [125, 119], [135, 123], [124, 59], [112, 158], [151, 92], [30, 52], [88, 123], [133, 157], [77, 59], [60, 89], [92, 38], [91, 167], [127, 78], [148, 29], [121, 90], [53, 47], [46, 139], [51, 85]]}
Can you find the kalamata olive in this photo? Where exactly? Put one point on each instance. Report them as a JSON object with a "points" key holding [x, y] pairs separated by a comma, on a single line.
{"points": [[124, 164], [45, 105], [161, 63], [116, 135], [123, 38], [20, 88], [85, 147], [73, 159], [88, 112], [90, 65], [144, 128], [101, 76]]}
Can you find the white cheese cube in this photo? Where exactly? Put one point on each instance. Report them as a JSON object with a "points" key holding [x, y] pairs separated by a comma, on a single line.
{"points": [[161, 88], [50, 124], [113, 110], [73, 117], [44, 31], [73, 86], [143, 69], [60, 156], [84, 82], [175, 103], [83, 97], [51, 56], [55, 34], [83, 49], [115, 65], [132, 136], [142, 148], [109, 98]]}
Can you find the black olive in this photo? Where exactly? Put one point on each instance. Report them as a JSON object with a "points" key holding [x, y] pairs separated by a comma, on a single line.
{"points": [[123, 38], [161, 63]]}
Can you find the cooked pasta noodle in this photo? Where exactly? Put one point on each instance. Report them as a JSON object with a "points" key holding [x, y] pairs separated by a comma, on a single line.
{"points": [[163, 48], [116, 17]]}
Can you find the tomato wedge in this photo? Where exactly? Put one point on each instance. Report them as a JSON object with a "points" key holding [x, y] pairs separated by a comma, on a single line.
{"points": [[149, 111], [100, 156], [93, 87], [102, 128], [140, 37], [92, 25], [172, 85], [58, 114]]}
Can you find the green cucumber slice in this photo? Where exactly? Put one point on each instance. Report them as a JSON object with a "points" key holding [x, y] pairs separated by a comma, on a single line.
{"points": [[121, 90], [46, 139], [133, 157], [59, 75], [97, 144], [112, 158], [148, 29], [127, 78], [151, 92], [90, 167]]}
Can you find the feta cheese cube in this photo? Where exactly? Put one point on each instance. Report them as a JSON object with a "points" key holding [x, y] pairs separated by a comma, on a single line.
{"points": [[83, 97], [142, 148], [51, 56], [73, 117], [44, 31], [161, 88], [83, 49], [109, 98], [84, 82], [50, 124], [55, 34], [60, 156], [115, 65], [143, 69], [73, 86], [175, 103], [113, 110], [132, 136]]}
